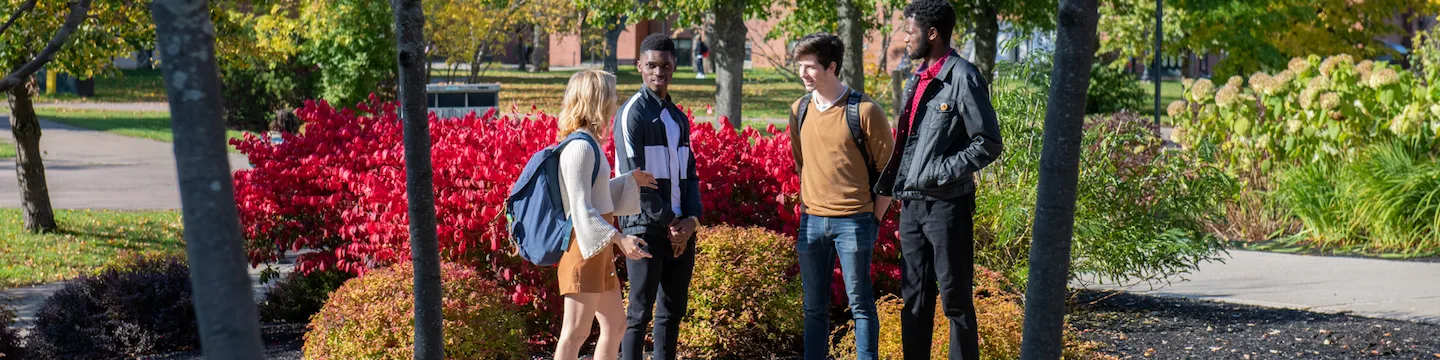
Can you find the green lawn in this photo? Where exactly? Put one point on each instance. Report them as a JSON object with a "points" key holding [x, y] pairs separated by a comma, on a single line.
{"points": [[152, 125], [125, 86], [765, 94], [7, 149], [86, 241], [1170, 91]]}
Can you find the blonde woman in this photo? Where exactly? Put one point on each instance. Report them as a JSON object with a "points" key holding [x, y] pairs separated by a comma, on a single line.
{"points": [[587, 270]]}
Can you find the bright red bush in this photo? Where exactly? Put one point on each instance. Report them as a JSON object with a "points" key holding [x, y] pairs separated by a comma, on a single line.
{"points": [[339, 188]]}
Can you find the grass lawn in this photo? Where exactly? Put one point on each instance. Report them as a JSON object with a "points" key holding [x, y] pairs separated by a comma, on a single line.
{"points": [[126, 86], [1170, 91], [766, 93], [152, 125], [7, 149], [86, 241]]}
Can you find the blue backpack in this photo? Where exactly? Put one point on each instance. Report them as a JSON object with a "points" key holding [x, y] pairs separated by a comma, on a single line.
{"points": [[539, 227]]}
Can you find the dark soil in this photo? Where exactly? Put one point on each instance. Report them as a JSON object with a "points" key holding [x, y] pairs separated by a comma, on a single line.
{"points": [[1137, 326], [282, 341], [1147, 327]]}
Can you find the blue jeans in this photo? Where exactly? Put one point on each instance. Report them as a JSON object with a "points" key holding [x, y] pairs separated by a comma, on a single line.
{"points": [[853, 238]]}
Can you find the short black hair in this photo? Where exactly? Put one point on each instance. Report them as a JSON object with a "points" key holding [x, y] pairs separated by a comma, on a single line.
{"points": [[658, 42], [938, 14], [826, 47]]}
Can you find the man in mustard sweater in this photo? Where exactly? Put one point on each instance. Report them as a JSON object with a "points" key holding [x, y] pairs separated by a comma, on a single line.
{"points": [[846, 142]]}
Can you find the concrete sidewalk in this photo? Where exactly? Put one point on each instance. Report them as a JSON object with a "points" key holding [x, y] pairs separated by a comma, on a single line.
{"points": [[128, 106], [1386, 289], [87, 169], [28, 300]]}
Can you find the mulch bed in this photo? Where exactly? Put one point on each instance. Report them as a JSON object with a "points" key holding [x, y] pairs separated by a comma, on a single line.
{"points": [[283, 341], [1138, 326], [1147, 327]]}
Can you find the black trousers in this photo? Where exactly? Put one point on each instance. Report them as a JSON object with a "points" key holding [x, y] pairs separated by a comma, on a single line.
{"points": [[937, 244], [667, 276]]}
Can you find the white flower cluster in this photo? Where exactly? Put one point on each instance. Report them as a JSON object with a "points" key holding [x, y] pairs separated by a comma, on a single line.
{"points": [[1202, 90]]}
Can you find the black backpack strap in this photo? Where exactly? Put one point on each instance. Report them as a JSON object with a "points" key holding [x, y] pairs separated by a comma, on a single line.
{"points": [[852, 118], [799, 119], [804, 107]]}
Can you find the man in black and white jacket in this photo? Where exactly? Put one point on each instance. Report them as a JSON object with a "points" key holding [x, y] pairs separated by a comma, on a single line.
{"points": [[651, 133]]}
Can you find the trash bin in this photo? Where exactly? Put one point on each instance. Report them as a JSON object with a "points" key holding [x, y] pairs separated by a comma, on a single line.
{"points": [[457, 100], [85, 88]]}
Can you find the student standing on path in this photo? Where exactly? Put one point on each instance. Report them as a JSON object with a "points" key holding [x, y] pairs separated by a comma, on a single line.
{"points": [[654, 135], [847, 141], [587, 270], [947, 132]]}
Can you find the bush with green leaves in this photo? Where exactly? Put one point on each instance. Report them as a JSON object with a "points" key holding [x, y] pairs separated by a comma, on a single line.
{"points": [[299, 296], [1387, 200], [1112, 90], [745, 299], [1316, 109], [1141, 209]]}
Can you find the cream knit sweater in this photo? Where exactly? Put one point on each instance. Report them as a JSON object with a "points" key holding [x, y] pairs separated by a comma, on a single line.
{"points": [[586, 202]]}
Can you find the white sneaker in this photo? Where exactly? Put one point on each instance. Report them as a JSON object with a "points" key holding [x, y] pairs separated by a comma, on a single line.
{"points": [[699, 76]]}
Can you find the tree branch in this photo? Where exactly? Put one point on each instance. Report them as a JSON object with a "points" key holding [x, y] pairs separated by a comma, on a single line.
{"points": [[78, 11], [24, 8]]}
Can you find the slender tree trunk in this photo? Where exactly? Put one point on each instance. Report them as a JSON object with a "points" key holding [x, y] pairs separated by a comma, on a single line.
{"points": [[419, 181], [987, 37], [885, 40], [852, 32], [540, 56], [524, 46], [228, 320], [475, 65], [1059, 173], [729, 57], [612, 44], [29, 168]]}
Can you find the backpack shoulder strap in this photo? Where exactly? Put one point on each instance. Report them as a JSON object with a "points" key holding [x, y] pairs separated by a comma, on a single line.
{"points": [[595, 172], [803, 107], [799, 119], [852, 118]]}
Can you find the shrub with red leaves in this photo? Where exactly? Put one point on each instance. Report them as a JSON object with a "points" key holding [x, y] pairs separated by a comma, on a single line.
{"points": [[339, 188]]}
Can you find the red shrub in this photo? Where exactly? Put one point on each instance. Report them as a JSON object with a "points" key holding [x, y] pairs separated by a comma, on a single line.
{"points": [[339, 188]]}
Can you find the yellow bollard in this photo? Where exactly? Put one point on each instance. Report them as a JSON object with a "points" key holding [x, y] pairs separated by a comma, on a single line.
{"points": [[49, 82]]}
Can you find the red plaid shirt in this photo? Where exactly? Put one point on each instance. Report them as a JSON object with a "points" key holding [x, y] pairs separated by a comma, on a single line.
{"points": [[925, 75]]}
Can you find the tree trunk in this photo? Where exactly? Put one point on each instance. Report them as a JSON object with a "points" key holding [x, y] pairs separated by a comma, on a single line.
{"points": [[852, 32], [524, 46], [540, 56], [729, 57], [987, 37], [885, 40], [29, 168], [475, 66], [1059, 173], [229, 323], [419, 180], [612, 44]]}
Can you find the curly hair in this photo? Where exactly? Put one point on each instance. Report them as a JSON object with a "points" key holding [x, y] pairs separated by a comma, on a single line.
{"points": [[658, 42], [938, 14]]}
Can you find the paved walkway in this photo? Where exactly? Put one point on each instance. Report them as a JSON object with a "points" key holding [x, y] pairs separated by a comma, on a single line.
{"points": [[1367, 287], [27, 300], [133, 106], [88, 169]]}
